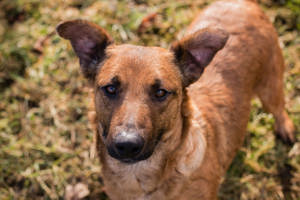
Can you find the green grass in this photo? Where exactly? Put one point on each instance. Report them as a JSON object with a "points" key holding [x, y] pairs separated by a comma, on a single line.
{"points": [[45, 136]]}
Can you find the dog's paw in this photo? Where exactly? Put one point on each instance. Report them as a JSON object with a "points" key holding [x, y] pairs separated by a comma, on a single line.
{"points": [[285, 130]]}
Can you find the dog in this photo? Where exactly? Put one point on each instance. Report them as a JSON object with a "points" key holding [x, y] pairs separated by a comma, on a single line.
{"points": [[168, 123]]}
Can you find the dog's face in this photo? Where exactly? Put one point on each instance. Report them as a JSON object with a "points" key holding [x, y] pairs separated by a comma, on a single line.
{"points": [[138, 90], [137, 96]]}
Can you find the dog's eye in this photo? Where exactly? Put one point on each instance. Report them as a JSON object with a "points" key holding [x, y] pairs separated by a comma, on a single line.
{"points": [[110, 90], [161, 94]]}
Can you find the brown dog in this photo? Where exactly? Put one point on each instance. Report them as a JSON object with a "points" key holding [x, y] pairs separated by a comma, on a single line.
{"points": [[158, 135]]}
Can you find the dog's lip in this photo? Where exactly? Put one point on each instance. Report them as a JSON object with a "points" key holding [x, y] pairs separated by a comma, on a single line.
{"points": [[140, 157], [129, 160]]}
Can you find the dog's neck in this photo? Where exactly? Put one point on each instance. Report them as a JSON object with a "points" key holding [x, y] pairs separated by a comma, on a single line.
{"points": [[192, 148]]}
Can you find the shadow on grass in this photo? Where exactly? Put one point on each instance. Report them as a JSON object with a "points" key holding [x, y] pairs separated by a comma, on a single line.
{"points": [[285, 170], [234, 189], [231, 188]]}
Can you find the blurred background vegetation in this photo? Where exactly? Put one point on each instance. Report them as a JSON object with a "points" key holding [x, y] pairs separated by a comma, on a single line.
{"points": [[45, 136]]}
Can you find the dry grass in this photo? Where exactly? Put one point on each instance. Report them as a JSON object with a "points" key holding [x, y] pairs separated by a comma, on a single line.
{"points": [[45, 137]]}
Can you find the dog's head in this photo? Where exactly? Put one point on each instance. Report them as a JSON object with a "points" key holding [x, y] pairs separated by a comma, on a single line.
{"points": [[138, 90]]}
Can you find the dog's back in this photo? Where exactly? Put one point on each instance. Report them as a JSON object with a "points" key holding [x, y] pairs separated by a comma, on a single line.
{"points": [[250, 64]]}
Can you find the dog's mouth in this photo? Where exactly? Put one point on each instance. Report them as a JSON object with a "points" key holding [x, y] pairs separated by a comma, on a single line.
{"points": [[135, 160], [129, 160]]}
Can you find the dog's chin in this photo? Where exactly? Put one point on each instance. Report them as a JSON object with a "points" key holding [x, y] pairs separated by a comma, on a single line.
{"points": [[139, 158]]}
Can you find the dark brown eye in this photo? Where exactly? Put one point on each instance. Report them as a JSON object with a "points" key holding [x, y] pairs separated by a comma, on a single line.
{"points": [[110, 90], [161, 94]]}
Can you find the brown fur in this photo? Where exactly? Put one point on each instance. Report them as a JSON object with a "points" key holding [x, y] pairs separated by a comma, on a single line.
{"points": [[202, 125]]}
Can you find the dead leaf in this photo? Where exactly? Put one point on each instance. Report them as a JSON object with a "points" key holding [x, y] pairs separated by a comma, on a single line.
{"points": [[76, 192]]}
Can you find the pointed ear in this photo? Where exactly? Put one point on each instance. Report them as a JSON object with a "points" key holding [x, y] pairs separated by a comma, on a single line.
{"points": [[89, 42], [194, 52]]}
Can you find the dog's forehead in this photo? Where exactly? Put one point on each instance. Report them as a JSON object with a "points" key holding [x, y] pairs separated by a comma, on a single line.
{"points": [[143, 64]]}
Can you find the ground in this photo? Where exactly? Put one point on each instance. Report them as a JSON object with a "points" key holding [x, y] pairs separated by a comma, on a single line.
{"points": [[45, 136]]}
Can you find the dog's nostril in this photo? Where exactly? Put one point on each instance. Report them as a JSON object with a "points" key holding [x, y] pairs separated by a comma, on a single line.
{"points": [[135, 149], [120, 147]]}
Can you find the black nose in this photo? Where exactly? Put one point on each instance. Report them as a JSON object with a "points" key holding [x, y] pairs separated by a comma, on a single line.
{"points": [[128, 145]]}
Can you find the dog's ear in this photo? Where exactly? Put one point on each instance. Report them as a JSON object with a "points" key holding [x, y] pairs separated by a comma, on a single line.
{"points": [[89, 42], [194, 52]]}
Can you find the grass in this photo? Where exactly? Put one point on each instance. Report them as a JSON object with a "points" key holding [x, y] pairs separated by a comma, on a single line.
{"points": [[45, 136]]}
